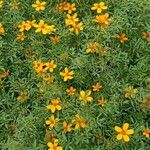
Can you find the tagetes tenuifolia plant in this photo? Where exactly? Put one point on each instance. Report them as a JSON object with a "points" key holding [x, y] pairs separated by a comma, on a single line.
{"points": [[74, 75]]}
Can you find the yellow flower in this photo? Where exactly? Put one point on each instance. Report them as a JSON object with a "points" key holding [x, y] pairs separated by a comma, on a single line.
{"points": [[124, 132], [50, 66], [68, 75], [52, 121], [130, 92], [71, 90], [102, 19], [97, 87], [24, 26], [146, 36], [66, 127], [55, 105], [70, 7], [39, 67], [76, 27], [23, 96], [2, 30], [21, 36], [15, 5], [71, 19], [48, 79], [1, 3], [99, 7], [79, 122], [4, 74], [31, 23], [101, 102], [55, 39], [54, 145], [39, 5], [122, 37], [85, 96], [92, 47], [44, 28], [146, 133]]}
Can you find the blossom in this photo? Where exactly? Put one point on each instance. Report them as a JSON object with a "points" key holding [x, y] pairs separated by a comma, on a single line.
{"points": [[76, 27], [79, 121], [92, 47], [15, 5], [48, 79], [24, 26], [21, 36], [122, 37], [146, 36], [23, 96], [54, 145], [68, 75], [1, 3], [146, 133], [101, 102], [70, 7], [2, 30], [71, 19], [124, 132], [61, 6], [71, 90], [66, 127], [31, 23], [55, 39], [85, 96], [52, 121], [44, 28], [55, 105], [96, 87], [39, 5], [102, 19], [130, 92], [50, 66], [4, 74], [99, 7]]}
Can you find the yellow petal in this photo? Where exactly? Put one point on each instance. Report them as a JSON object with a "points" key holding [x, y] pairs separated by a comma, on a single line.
{"points": [[58, 107], [119, 136], [131, 131], [125, 126], [59, 148], [118, 129], [82, 93], [126, 138]]}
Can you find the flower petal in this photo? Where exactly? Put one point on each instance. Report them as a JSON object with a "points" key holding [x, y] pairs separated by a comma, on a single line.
{"points": [[125, 126], [119, 136], [118, 129], [131, 131], [126, 138]]}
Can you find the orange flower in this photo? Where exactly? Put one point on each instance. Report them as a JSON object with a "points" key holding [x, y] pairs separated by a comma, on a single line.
{"points": [[39, 5], [102, 19], [76, 27], [70, 7], [24, 26], [79, 122], [66, 127], [52, 121], [4, 74], [55, 105], [71, 90], [2, 30], [97, 87], [50, 66], [146, 36], [68, 75], [21, 36], [48, 79], [101, 102], [99, 7], [55, 39], [122, 37], [146, 133], [124, 132]]}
